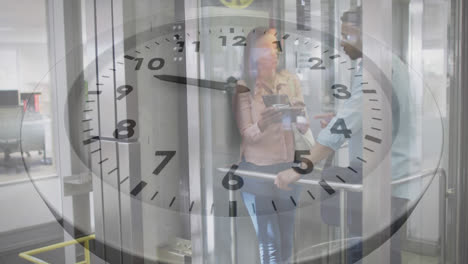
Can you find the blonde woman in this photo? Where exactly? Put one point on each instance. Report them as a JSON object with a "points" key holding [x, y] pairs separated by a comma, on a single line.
{"points": [[268, 146]]}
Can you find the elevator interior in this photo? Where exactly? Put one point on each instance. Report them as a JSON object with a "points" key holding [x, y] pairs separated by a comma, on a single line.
{"points": [[129, 229]]}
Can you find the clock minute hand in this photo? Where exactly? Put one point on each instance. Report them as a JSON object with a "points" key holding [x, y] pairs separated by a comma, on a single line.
{"points": [[222, 86]]}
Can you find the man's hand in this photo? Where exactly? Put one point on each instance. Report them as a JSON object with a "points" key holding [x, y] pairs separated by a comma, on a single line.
{"points": [[325, 118], [286, 177]]}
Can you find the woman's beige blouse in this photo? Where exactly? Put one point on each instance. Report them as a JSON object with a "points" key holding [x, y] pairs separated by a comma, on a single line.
{"points": [[275, 144]]}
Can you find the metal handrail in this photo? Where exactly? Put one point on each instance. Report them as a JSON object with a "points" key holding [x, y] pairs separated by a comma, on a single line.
{"points": [[342, 189], [28, 254], [337, 185]]}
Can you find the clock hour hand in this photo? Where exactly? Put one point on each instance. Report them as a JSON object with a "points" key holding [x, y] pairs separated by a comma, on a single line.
{"points": [[222, 86]]}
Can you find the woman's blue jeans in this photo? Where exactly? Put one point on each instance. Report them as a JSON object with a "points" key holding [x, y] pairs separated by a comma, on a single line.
{"points": [[272, 212]]}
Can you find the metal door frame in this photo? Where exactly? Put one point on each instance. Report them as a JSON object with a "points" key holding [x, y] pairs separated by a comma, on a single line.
{"points": [[458, 142]]}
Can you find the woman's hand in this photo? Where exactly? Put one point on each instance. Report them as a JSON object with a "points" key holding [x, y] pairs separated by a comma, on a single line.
{"points": [[286, 177], [241, 87], [302, 124], [296, 102], [268, 117]]}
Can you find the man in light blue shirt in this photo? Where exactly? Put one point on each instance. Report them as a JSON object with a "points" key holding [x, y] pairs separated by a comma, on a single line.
{"points": [[404, 156]]}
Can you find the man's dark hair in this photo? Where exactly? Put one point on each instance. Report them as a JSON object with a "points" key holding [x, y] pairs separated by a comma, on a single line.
{"points": [[353, 16]]}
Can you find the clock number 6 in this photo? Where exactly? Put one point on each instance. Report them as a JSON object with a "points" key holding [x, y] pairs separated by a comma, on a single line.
{"points": [[125, 129], [169, 155], [340, 128], [342, 91], [231, 177], [298, 160]]}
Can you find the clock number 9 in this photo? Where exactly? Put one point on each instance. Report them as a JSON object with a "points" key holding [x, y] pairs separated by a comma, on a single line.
{"points": [[340, 128], [298, 160], [125, 129], [124, 90], [231, 177], [151, 63], [342, 91]]}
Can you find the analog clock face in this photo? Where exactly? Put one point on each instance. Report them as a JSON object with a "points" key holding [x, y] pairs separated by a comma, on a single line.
{"points": [[162, 100]]}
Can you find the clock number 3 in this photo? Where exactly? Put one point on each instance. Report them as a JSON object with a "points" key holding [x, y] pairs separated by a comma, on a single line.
{"points": [[341, 91], [169, 155]]}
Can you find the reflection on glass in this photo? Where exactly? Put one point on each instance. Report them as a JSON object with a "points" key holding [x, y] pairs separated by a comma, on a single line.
{"points": [[281, 157], [26, 105], [274, 164]]}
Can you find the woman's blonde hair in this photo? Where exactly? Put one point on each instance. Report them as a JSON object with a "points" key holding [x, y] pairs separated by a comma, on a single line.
{"points": [[250, 59]]}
